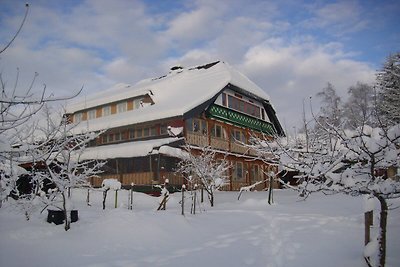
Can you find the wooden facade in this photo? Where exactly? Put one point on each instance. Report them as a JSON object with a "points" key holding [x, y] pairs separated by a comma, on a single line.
{"points": [[154, 169]]}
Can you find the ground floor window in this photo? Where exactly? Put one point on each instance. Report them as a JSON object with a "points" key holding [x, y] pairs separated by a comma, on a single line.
{"points": [[237, 171], [256, 173]]}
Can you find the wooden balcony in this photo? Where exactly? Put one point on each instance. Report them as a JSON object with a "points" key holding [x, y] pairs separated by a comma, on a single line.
{"points": [[238, 148], [220, 143], [197, 139]]}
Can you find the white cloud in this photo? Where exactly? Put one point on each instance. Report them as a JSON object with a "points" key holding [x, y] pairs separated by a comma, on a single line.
{"points": [[340, 18], [290, 73]]}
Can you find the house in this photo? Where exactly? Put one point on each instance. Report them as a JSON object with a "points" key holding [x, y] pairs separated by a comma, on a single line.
{"points": [[147, 124]]}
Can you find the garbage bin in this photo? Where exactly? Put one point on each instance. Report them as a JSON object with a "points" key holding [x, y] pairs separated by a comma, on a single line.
{"points": [[57, 216]]}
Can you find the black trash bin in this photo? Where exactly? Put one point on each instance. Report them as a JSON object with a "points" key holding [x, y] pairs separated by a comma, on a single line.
{"points": [[57, 216]]}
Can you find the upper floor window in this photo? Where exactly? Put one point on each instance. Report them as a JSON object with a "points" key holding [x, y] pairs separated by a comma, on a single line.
{"points": [[106, 110], [196, 126], [137, 103], [243, 106], [238, 136], [218, 131], [91, 114], [121, 107]]}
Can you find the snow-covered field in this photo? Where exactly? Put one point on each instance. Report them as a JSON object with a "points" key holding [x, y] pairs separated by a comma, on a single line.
{"points": [[321, 231]]}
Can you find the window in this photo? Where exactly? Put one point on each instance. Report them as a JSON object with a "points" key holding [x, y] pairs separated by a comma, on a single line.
{"points": [[196, 126], [111, 138], [238, 171], [146, 132], [153, 131], [224, 99], [238, 136], [131, 133], [121, 107], [242, 106], [106, 110], [91, 114], [137, 103], [139, 133], [218, 131], [78, 117], [104, 139], [163, 129], [256, 173], [118, 136]]}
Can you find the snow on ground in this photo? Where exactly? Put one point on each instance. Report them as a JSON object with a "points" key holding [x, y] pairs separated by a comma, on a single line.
{"points": [[321, 231]]}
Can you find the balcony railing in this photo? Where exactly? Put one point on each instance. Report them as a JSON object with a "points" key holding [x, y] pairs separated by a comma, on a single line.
{"points": [[223, 113]]}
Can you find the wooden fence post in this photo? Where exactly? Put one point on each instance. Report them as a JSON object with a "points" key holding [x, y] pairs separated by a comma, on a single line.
{"points": [[116, 198], [369, 221], [183, 200]]}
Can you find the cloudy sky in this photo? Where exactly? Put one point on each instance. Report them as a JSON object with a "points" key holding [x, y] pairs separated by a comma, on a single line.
{"points": [[290, 48]]}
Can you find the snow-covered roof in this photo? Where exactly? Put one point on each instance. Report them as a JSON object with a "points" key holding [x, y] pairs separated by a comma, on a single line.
{"points": [[173, 95], [125, 150]]}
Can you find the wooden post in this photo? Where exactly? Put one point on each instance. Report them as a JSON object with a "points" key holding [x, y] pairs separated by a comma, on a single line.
{"points": [[131, 197], [104, 198], [183, 200], [88, 198], [369, 221], [116, 198]]}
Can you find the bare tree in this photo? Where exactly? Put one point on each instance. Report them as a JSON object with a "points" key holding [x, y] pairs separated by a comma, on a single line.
{"points": [[331, 110], [360, 106], [356, 164], [202, 165], [17, 107], [62, 151]]}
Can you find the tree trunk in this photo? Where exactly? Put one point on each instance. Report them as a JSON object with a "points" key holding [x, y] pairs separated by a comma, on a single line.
{"points": [[67, 218], [211, 199], [382, 228]]}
